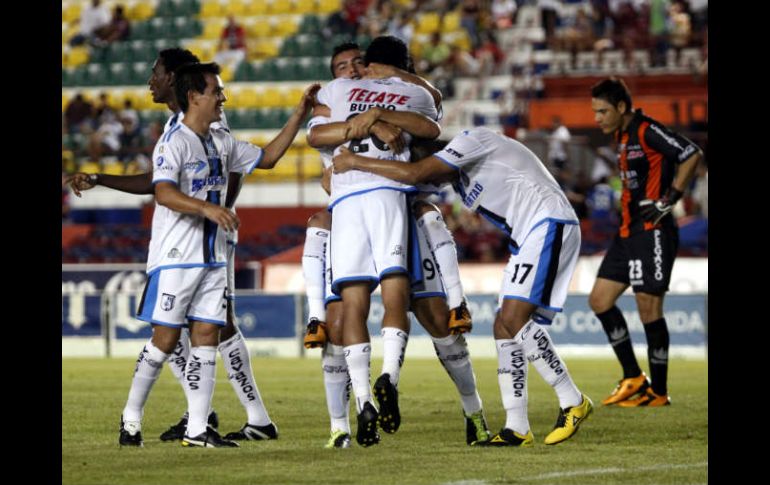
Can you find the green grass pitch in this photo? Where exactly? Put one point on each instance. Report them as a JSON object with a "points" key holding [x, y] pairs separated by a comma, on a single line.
{"points": [[641, 446]]}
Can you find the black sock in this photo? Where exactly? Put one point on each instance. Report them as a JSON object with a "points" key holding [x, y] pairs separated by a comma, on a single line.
{"points": [[657, 353], [617, 332]]}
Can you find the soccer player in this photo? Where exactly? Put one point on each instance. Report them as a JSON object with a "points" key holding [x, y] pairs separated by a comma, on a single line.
{"points": [[232, 347], [506, 183], [428, 301], [656, 166]]}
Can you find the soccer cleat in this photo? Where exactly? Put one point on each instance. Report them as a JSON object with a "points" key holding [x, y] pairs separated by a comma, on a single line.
{"points": [[647, 398], [460, 319], [176, 432], [508, 437], [208, 439], [367, 434], [569, 420], [338, 439], [315, 336], [627, 388], [476, 427], [127, 438], [387, 397], [254, 433]]}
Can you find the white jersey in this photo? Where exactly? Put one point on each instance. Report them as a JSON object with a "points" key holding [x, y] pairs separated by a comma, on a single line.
{"points": [[505, 182], [326, 152], [349, 97], [199, 168], [179, 116]]}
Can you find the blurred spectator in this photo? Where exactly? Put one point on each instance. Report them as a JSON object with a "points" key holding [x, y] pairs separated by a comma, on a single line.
{"points": [[658, 31], [699, 13], [577, 34], [130, 138], [77, 112], [602, 203], [102, 106], [679, 25], [470, 19], [345, 21], [630, 27], [434, 54], [128, 112], [231, 50], [557, 144], [401, 27], [488, 53], [119, 28], [549, 17], [94, 19], [106, 139], [503, 13]]}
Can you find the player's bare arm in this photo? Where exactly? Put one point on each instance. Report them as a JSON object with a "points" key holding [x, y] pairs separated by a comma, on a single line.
{"points": [[167, 195], [278, 146], [430, 169], [132, 184]]}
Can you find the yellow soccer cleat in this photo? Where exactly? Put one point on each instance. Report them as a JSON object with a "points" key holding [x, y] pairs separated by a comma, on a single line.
{"points": [[647, 398], [568, 421], [315, 336], [508, 437], [460, 320], [626, 388]]}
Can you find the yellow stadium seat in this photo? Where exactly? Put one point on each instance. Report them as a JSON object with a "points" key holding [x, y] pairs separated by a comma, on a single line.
{"points": [[70, 11], [273, 97], [462, 40], [305, 6], [293, 95], [428, 23], [285, 26], [256, 7], [212, 28], [249, 98], [141, 10], [114, 168], [262, 48], [259, 140], [404, 3], [65, 99], [203, 50], [451, 22], [278, 7], [329, 6], [235, 7], [211, 8], [312, 167], [227, 73], [89, 167], [259, 27], [77, 56]]}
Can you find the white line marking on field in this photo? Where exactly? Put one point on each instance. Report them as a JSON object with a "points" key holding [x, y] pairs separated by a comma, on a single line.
{"points": [[603, 471]]}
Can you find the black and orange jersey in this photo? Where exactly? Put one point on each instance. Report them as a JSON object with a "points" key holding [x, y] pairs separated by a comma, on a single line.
{"points": [[648, 153]]}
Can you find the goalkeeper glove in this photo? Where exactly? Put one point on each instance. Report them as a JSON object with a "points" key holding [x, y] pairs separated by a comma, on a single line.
{"points": [[655, 210]]}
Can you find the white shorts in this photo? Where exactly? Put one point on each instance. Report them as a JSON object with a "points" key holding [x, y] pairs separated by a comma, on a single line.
{"points": [[174, 296], [369, 237], [541, 270], [425, 277]]}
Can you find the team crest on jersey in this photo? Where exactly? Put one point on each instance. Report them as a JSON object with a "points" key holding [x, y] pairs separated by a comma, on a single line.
{"points": [[159, 161], [174, 253], [167, 302]]}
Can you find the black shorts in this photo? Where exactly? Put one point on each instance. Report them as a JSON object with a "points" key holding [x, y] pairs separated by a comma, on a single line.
{"points": [[643, 260]]}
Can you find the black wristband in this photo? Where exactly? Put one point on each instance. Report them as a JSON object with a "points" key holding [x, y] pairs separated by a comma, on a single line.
{"points": [[94, 178], [673, 195]]}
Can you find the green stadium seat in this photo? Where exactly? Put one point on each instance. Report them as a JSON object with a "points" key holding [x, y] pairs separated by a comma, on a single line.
{"points": [[245, 72], [188, 8], [320, 69], [96, 75], [269, 70], [165, 8], [289, 69], [100, 55], [142, 31], [120, 52], [310, 25], [311, 45], [143, 51], [140, 73], [120, 74], [290, 47]]}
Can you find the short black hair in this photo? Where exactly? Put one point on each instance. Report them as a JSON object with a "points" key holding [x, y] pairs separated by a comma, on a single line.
{"points": [[345, 46], [191, 77], [388, 50], [175, 57], [423, 148], [612, 90]]}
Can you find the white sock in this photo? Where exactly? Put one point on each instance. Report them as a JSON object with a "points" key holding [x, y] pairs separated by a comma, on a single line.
{"points": [[393, 348], [337, 384], [358, 358], [452, 351], [443, 246], [235, 356], [512, 378], [539, 350], [200, 376], [177, 360], [314, 267], [148, 367]]}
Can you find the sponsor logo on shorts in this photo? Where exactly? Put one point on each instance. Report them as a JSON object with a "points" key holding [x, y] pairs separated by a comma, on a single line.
{"points": [[398, 250], [658, 258]]}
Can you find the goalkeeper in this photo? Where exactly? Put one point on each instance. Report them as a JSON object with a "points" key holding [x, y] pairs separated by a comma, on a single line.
{"points": [[656, 166]]}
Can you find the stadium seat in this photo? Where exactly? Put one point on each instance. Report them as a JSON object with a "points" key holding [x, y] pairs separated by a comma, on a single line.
{"points": [[285, 25], [188, 8], [587, 61], [245, 72], [451, 22], [236, 8], [120, 52], [119, 74], [211, 8], [272, 97], [114, 168], [89, 167], [77, 56], [329, 6], [311, 45], [70, 11], [142, 31], [256, 7], [212, 28], [309, 25], [290, 47], [165, 8], [96, 75], [278, 7], [305, 6], [613, 62], [141, 10], [140, 73], [257, 27], [143, 51], [427, 23]]}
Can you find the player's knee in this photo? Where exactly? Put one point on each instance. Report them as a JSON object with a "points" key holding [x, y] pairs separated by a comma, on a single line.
{"points": [[421, 207], [599, 303], [321, 219]]}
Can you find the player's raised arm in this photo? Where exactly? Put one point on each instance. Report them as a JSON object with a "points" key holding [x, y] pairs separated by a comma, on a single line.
{"points": [[132, 184], [428, 169], [278, 146]]}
